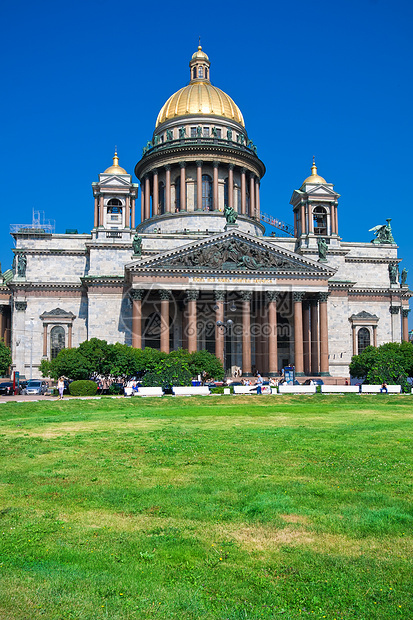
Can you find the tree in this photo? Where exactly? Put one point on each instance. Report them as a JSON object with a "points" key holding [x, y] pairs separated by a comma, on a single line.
{"points": [[68, 363], [5, 359], [167, 373], [391, 362], [206, 364]]}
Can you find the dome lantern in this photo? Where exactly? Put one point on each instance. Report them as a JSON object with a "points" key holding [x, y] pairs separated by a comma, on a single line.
{"points": [[199, 66]]}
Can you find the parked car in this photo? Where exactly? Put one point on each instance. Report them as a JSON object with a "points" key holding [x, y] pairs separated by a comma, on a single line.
{"points": [[313, 382], [35, 386], [6, 388]]}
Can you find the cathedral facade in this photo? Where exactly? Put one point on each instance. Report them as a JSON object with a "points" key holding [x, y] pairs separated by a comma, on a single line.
{"points": [[182, 260]]}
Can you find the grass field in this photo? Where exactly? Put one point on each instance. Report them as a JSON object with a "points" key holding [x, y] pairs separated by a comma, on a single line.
{"points": [[213, 508]]}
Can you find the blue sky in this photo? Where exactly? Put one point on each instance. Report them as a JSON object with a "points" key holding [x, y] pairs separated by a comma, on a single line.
{"points": [[330, 79]]}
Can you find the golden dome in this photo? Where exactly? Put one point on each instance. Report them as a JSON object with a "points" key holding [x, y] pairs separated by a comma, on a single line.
{"points": [[199, 96], [115, 168], [314, 177]]}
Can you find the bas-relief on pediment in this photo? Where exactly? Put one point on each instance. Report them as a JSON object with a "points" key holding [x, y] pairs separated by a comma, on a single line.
{"points": [[235, 253]]}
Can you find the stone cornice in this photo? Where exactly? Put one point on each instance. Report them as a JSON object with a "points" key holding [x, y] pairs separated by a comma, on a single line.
{"points": [[51, 252], [103, 281], [368, 259], [26, 286]]}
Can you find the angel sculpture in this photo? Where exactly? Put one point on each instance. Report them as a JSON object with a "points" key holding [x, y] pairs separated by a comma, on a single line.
{"points": [[383, 233]]}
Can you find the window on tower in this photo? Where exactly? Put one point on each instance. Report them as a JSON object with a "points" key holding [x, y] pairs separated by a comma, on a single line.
{"points": [[114, 206], [200, 72], [194, 73], [206, 132], [193, 132], [320, 221]]}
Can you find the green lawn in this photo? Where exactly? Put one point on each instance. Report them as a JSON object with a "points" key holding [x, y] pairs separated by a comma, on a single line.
{"points": [[214, 508]]}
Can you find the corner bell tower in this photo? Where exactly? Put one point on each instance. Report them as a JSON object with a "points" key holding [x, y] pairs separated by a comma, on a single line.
{"points": [[115, 197], [315, 212]]}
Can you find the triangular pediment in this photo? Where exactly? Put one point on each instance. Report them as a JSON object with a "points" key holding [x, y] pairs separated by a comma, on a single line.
{"points": [[321, 190], [115, 181], [232, 252]]}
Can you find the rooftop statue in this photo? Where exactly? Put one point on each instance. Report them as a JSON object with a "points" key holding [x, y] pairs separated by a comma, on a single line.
{"points": [[393, 273], [403, 276], [137, 245], [383, 233], [230, 215], [322, 249]]}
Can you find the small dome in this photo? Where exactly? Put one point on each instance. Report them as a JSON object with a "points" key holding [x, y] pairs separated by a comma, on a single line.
{"points": [[200, 55], [115, 168], [314, 177], [199, 96]]}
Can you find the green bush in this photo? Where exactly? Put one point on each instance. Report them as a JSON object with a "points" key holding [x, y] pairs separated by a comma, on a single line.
{"points": [[116, 388], [83, 388], [220, 390]]}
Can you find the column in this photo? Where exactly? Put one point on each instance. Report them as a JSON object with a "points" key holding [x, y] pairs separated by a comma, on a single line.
{"points": [[336, 219], [298, 333], [192, 296], [136, 296], [133, 214], [243, 192], [183, 186], [272, 297], [315, 343], [375, 335], [306, 337], [324, 365], [143, 199], [302, 213], [168, 188], [252, 195], [257, 198], [96, 218], [69, 335], [295, 224], [231, 186], [199, 185], [215, 205], [405, 325], [354, 333], [165, 297], [246, 332], [44, 339], [219, 332], [155, 193], [100, 210], [310, 218], [147, 198]]}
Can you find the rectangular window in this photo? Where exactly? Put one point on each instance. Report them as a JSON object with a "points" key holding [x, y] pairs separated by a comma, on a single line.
{"points": [[114, 218], [218, 133], [193, 132], [206, 132]]}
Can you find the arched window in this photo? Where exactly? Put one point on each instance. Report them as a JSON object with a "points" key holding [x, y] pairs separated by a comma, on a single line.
{"points": [[161, 198], [206, 192], [114, 205], [177, 193], [57, 340], [363, 339], [320, 221]]}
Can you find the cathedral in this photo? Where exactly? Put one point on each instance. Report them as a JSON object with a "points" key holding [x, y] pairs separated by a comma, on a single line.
{"points": [[182, 259]]}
